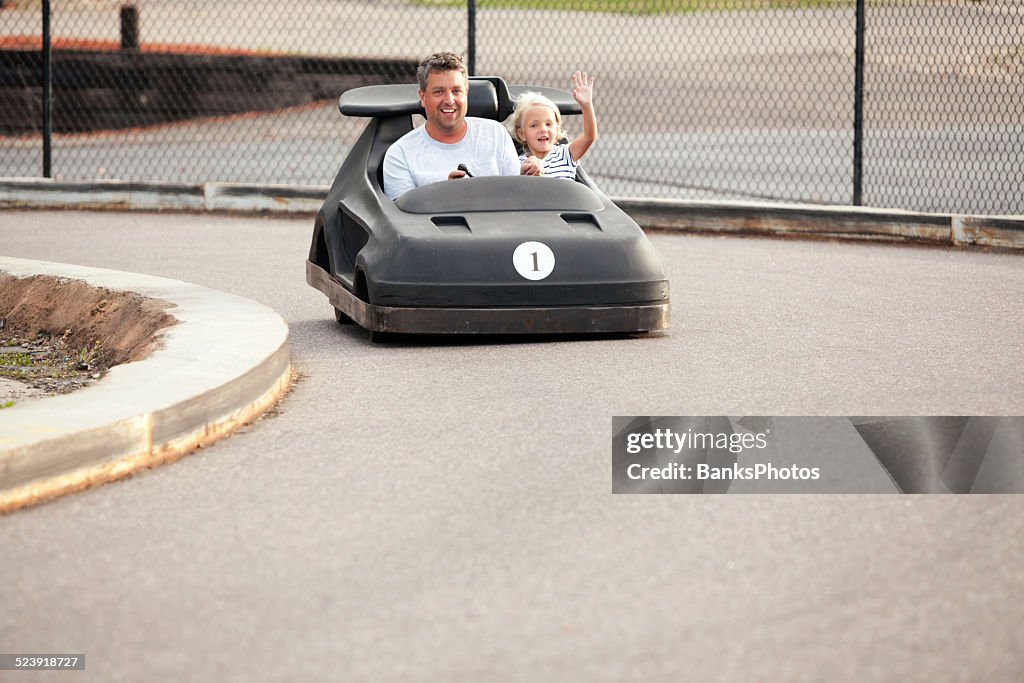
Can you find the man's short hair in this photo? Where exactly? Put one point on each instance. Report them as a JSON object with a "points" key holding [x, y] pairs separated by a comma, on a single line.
{"points": [[440, 62]]}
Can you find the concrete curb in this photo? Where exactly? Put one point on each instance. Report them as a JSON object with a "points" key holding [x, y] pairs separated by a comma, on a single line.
{"points": [[744, 218], [833, 222], [42, 193], [224, 364]]}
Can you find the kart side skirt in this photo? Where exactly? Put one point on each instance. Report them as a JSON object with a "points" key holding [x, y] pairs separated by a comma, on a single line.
{"points": [[544, 320]]}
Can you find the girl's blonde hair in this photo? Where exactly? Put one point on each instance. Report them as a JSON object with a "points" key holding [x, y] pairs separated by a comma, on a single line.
{"points": [[527, 100]]}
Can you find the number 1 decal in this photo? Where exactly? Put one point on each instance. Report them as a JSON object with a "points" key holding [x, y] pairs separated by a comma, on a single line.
{"points": [[533, 260]]}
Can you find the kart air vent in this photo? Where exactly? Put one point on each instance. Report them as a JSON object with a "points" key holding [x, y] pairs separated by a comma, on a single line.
{"points": [[353, 236], [582, 222], [451, 224]]}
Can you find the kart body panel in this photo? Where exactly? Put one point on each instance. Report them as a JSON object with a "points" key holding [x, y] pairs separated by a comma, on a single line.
{"points": [[481, 255]]}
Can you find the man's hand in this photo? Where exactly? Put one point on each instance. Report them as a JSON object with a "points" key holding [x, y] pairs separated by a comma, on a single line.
{"points": [[531, 166], [454, 175]]}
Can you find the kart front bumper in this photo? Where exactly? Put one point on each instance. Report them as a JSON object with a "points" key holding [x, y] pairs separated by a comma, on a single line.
{"points": [[593, 319]]}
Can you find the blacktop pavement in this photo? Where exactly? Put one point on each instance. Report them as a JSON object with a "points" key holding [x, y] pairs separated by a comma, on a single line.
{"points": [[153, 411]]}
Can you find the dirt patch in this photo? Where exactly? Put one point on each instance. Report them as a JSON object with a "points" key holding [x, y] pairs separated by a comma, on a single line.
{"points": [[57, 335]]}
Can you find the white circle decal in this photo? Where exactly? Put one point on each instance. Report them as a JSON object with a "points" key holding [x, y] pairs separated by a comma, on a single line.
{"points": [[533, 260]]}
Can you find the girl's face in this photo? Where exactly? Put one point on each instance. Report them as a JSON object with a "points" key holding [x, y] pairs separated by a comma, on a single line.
{"points": [[538, 129]]}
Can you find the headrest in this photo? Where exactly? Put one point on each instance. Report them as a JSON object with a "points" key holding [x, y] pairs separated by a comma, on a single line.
{"points": [[483, 100], [489, 97], [562, 99], [399, 100]]}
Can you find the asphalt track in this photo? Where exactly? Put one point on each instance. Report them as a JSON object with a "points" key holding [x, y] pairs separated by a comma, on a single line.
{"points": [[442, 511]]}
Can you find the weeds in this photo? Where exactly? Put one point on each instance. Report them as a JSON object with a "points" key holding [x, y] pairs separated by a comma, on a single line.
{"points": [[46, 362]]}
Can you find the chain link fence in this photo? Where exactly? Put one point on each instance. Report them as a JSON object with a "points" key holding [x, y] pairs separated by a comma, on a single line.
{"points": [[944, 106], [708, 99]]}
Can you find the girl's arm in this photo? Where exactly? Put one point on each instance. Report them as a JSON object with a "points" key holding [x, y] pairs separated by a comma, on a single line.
{"points": [[583, 92]]}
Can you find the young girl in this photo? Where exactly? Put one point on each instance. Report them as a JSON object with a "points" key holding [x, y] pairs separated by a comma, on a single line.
{"points": [[538, 126]]}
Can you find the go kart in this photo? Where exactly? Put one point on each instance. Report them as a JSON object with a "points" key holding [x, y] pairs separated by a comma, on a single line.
{"points": [[479, 255]]}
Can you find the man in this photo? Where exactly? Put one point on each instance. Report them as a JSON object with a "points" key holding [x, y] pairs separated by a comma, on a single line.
{"points": [[434, 151]]}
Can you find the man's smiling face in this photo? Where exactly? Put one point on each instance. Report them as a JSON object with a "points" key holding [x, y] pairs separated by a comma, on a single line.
{"points": [[444, 103]]}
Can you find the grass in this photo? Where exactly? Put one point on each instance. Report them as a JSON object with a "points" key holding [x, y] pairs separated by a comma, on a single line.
{"points": [[52, 360], [15, 359], [643, 6]]}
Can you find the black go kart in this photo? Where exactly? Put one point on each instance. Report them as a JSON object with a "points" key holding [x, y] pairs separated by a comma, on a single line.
{"points": [[483, 255]]}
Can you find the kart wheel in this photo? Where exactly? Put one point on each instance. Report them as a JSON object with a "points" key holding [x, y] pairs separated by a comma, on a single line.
{"points": [[381, 337], [342, 318]]}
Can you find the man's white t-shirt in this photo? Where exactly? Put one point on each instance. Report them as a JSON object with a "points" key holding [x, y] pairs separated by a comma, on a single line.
{"points": [[417, 159]]}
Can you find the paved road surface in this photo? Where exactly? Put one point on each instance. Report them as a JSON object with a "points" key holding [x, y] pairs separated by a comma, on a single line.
{"points": [[443, 511]]}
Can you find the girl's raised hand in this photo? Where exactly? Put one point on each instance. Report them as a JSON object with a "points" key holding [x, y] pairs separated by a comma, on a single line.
{"points": [[582, 88]]}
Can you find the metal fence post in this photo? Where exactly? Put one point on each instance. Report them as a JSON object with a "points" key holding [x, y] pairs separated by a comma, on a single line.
{"points": [[129, 27], [47, 93], [471, 35], [858, 109]]}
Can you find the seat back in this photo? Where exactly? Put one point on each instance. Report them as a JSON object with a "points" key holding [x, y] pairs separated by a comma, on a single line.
{"points": [[387, 132], [483, 100]]}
